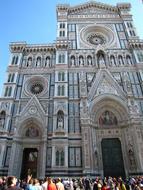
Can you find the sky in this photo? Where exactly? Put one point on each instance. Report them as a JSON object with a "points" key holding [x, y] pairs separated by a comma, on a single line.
{"points": [[34, 22]]}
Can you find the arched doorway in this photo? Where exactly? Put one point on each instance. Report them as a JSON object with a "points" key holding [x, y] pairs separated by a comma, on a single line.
{"points": [[29, 162], [112, 157]]}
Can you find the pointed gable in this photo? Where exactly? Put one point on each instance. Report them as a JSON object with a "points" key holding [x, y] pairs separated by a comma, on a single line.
{"points": [[33, 108], [105, 84]]}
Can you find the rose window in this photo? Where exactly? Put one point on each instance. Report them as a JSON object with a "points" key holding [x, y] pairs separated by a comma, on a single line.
{"points": [[96, 39], [36, 85], [37, 88]]}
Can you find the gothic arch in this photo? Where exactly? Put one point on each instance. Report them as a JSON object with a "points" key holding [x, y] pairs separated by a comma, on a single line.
{"points": [[30, 124], [109, 103]]}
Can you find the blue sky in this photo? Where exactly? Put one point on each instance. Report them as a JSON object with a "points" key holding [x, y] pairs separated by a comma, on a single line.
{"points": [[34, 21]]}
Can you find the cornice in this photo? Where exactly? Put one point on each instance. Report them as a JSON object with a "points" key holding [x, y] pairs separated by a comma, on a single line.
{"points": [[136, 44], [20, 47], [93, 4], [62, 7], [63, 44]]}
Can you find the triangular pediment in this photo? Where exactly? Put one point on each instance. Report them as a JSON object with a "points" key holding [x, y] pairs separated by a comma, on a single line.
{"points": [[33, 108], [93, 7], [105, 84]]}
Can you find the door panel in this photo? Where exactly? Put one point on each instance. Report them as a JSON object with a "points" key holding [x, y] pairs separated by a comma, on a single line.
{"points": [[112, 158]]}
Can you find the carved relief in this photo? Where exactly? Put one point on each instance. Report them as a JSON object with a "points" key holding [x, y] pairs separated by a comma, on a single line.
{"points": [[83, 88], [106, 87], [84, 108], [133, 107]]}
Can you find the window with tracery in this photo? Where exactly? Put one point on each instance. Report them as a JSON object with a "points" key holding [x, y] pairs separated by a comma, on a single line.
{"points": [[60, 158], [61, 58], [61, 90], [61, 76]]}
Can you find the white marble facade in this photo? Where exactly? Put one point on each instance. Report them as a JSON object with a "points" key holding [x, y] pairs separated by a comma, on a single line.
{"points": [[76, 104]]}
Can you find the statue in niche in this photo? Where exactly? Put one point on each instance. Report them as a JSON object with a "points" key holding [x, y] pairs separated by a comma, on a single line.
{"points": [[131, 156], [96, 158], [81, 62], [38, 62], [72, 61], [32, 132], [60, 120], [47, 63], [89, 61], [101, 61], [29, 62]]}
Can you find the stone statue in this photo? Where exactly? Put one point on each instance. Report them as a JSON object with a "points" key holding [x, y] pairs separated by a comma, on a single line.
{"points": [[101, 62], [81, 62], [60, 122], [89, 61], [29, 62], [131, 157], [133, 107], [38, 62], [47, 61], [72, 61]]}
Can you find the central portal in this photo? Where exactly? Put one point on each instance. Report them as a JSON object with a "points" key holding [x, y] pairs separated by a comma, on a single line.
{"points": [[29, 163], [112, 158]]}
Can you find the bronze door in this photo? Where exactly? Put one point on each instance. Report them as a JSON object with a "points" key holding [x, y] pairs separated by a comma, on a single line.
{"points": [[29, 163], [112, 157]]}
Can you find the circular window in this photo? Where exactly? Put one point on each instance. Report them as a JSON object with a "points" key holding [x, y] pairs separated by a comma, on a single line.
{"points": [[95, 35], [96, 39], [36, 85], [37, 88]]}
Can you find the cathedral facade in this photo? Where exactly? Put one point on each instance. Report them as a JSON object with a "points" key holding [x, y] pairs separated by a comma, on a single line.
{"points": [[75, 107]]}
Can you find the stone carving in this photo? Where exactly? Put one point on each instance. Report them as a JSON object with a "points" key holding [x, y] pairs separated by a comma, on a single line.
{"points": [[127, 83], [84, 108], [81, 61], [32, 110], [5, 105], [38, 62], [131, 155], [83, 89], [89, 61], [133, 107], [101, 62], [29, 62], [106, 87], [60, 122], [72, 61]]}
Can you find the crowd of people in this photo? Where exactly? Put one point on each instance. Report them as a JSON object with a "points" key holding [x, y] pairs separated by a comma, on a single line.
{"points": [[12, 183]]}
